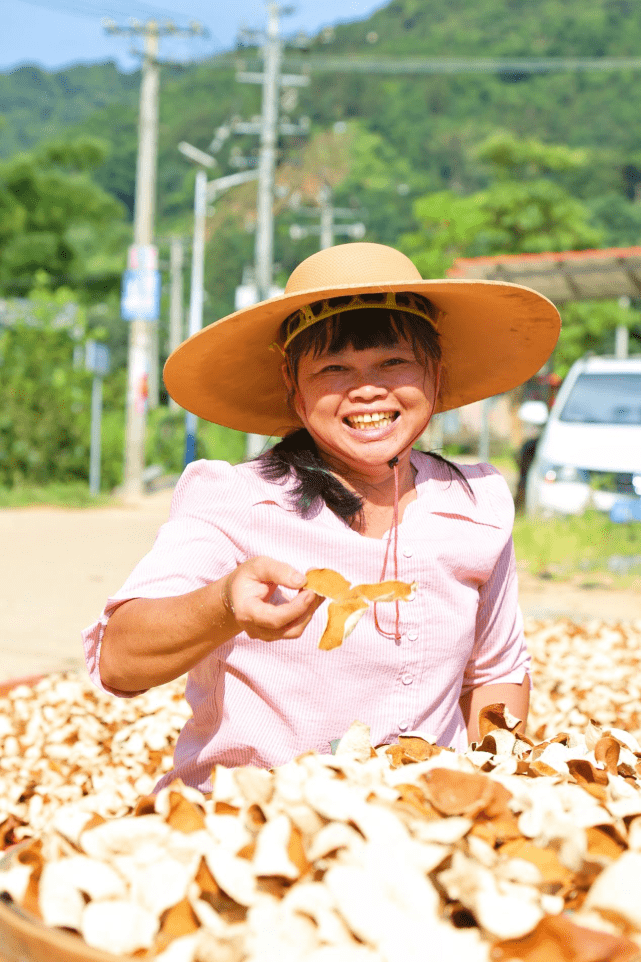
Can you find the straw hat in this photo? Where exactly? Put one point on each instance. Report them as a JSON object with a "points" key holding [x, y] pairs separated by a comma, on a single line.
{"points": [[494, 336]]}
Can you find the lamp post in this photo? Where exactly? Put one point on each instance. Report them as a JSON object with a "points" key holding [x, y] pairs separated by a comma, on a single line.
{"points": [[205, 192]]}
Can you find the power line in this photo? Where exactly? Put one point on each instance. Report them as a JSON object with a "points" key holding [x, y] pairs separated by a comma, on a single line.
{"points": [[437, 65], [124, 8], [455, 65]]}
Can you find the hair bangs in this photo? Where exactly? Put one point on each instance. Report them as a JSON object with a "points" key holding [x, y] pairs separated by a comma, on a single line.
{"points": [[363, 329]]}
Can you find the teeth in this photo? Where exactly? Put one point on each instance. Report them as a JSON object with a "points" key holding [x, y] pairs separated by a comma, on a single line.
{"points": [[362, 421]]}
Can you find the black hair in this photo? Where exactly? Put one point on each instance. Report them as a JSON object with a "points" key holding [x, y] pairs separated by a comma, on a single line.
{"points": [[368, 327], [297, 453]]}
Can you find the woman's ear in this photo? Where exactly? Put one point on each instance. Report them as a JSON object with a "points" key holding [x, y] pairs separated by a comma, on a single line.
{"points": [[287, 378], [432, 383], [438, 370], [293, 396]]}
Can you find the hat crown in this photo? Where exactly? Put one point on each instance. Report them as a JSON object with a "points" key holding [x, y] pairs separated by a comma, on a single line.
{"points": [[348, 265]]}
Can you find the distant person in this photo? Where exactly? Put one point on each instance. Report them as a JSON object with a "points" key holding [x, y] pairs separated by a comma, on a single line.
{"points": [[525, 459], [348, 365]]}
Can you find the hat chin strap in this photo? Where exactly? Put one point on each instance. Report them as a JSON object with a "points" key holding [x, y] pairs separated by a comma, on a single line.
{"points": [[393, 465], [418, 433]]}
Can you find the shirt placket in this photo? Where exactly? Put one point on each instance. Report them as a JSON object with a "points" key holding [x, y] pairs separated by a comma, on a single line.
{"points": [[407, 675]]}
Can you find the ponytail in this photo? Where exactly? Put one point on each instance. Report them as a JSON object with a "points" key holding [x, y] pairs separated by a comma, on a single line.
{"points": [[315, 484]]}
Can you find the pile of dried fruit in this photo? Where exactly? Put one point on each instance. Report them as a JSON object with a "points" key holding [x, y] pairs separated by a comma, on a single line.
{"points": [[365, 856], [512, 850], [62, 740], [582, 672]]}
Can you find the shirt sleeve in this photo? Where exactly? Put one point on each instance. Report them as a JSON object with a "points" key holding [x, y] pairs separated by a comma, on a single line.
{"points": [[201, 542], [500, 654]]}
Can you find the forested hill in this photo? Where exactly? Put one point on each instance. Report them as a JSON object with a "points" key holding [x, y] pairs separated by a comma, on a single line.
{"points": [[432, 118], [36, 104], [503, 28], [381, 141]]}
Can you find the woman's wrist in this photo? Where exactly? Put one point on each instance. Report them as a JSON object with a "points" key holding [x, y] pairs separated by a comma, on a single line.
{"points": [[225, 597]]}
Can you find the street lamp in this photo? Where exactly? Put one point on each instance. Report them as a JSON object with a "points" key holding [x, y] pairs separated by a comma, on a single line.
{"points": [[204, 192]]}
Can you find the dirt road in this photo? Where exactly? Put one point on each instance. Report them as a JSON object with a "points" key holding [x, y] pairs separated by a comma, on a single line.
{"points": [[58, 566]]}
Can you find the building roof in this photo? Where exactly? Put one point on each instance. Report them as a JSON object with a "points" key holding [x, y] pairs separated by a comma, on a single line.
{"points": [[563, 276]]}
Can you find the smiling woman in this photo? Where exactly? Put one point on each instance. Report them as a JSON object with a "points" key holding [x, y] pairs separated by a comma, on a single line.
{"points": [[348, 365], [362, 378]]}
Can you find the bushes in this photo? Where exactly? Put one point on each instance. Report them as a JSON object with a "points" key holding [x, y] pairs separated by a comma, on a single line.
{"points": [[44, 397], [45, 404], [166, 440]]}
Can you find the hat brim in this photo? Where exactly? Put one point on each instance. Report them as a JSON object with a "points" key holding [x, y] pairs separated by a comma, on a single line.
{"points": [[494, 336]]}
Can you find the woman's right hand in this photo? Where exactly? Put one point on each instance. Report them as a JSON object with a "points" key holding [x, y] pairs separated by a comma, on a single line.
{"points": [[247, 591]]}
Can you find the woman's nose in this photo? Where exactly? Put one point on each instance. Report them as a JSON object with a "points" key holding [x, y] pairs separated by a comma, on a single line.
{"points": [[367, 389]]}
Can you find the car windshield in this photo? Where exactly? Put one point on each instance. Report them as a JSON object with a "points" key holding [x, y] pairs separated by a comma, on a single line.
{"points": [[604, 399]]}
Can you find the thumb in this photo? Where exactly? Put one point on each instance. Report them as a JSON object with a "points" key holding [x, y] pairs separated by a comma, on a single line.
{"points": [[278, 572]]}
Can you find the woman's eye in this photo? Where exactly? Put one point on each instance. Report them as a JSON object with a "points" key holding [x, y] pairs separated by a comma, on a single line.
{"points": [[395, 360]]}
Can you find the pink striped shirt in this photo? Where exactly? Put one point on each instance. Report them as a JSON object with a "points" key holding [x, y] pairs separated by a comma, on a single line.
{"points": [[263, 704]]}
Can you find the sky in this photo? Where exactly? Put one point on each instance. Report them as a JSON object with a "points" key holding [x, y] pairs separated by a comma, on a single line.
{"points": [[57, 33]]}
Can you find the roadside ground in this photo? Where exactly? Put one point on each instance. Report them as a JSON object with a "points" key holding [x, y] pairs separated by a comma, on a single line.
{"points": [[58, 566]]}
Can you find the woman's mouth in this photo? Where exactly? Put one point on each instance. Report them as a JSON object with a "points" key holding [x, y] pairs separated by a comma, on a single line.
{"points": [[369, 422]]}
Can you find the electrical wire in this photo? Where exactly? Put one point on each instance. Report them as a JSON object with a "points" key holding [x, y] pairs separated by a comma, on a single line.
{"points": [[125, 9]]}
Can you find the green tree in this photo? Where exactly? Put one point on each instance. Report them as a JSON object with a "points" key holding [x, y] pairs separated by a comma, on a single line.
{"points": [[590, 326], [45, 198], [44, 396], [524, 210]]}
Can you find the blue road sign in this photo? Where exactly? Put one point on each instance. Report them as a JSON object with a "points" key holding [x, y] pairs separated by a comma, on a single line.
{"points": [[140, 295], [97, 358]]}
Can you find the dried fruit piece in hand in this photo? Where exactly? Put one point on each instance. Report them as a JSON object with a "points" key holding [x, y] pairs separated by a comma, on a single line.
{"points": [[347, 604]]}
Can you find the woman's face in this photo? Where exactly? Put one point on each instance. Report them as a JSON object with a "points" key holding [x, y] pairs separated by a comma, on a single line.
{"points": [[364, 408]]}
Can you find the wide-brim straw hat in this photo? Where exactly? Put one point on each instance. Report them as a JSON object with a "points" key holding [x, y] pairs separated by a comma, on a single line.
{"points": [[494, 336]]}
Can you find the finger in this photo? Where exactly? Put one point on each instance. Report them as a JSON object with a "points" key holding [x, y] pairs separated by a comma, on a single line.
{"points": [[301, 606], [278, 572], [271, 622], [296, 628]]}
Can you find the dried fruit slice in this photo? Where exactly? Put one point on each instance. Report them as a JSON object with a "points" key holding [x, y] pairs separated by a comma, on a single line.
{"points": [[341, 621], [347, 604], [496, 716], [118, 926], [458, 793], [328, 583], [387, 591], [557, 939]]}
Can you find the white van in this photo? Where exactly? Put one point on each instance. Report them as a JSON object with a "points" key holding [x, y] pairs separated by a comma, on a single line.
{"points": [[589, 454]]}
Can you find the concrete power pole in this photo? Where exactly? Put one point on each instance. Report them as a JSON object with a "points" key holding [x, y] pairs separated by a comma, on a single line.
{"points": [[271, 80], [264, 250], [140, 336], [175, 299], [327, 228], [144, 211], [326, 219]]}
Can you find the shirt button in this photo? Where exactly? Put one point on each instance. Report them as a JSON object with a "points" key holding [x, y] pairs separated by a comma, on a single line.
{"points": [[407, 551], [407, 679], [403, 725], [412, 634]]}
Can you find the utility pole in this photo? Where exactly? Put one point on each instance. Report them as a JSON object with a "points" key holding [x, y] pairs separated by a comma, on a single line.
{"points": [[140, 335], [197, 292], [204, 192], [326, 219], [175, 298], [327, 228], [621, 335], [269, 128], [264, 250]]}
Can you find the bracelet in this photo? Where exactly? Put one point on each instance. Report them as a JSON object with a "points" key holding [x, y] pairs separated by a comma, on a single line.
{"points": [[226, 600]]}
